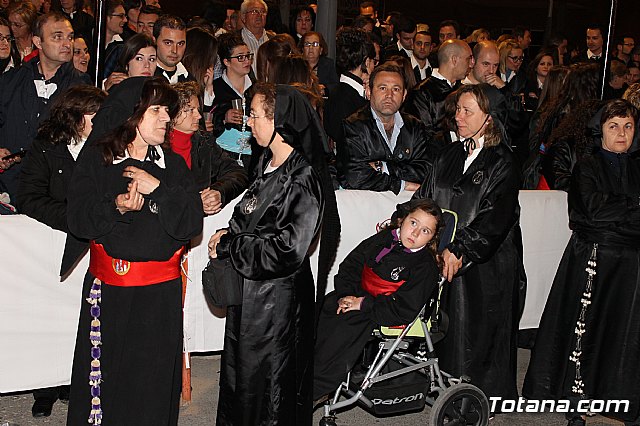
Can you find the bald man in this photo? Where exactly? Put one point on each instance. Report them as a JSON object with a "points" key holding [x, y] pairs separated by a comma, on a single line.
{"points": [[426, 101]]}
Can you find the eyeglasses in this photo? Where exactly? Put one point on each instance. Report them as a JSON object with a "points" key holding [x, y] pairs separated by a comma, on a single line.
{"points": [[16, 24], [119, 15], [254, 116], [516, 58], [8, 38], [242, 58], [311, 43], [259, 12]]}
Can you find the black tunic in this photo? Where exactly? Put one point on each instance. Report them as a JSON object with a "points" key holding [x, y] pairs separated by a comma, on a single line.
{"points": [[483, 304], [341, 338], [141, 326], [266, 370], [603, 209]]}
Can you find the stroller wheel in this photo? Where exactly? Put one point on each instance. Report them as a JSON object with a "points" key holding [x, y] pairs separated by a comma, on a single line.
{"points": [[460, 404], [328, 421]]}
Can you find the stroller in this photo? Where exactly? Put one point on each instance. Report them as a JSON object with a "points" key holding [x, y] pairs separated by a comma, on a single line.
{"points": [[406, 373]]}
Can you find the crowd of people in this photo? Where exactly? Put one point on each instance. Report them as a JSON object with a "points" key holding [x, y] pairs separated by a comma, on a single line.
{"points": [[186, 115]]}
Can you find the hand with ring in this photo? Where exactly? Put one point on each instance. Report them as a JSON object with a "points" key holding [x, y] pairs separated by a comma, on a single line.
{"points": [[147, 183], [349, 303]]}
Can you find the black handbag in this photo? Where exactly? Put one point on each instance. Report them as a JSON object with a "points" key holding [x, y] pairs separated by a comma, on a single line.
{"points": [[221, 282]]}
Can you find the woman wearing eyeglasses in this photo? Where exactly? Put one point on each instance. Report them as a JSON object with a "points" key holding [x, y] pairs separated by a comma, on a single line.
{"points": [[230, 105], [22, 16], [511, 57], [9, 56], [314, 49]]}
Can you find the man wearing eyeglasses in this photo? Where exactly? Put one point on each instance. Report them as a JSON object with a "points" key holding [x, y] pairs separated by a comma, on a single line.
{"points": [[254, 17], [170, 33], [626, 44]]}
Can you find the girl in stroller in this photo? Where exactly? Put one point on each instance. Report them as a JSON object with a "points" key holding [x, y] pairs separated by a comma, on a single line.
{"points": [[384, 281]]}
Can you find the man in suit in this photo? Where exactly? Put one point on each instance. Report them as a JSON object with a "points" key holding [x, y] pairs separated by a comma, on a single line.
{"points": [[385, 150], [595, 43], [420, 59]]}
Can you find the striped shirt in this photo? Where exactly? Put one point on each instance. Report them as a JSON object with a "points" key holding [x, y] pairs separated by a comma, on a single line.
{"points": [[253, 43]]}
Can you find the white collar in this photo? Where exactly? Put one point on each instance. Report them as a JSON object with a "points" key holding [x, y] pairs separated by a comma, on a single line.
{"points": [[116, 37], [414, 63], [467, 80], [401, 48], [159, 162], [436, 73], [351, 82], [590, 54], [474, 154], [247, 83], [180, 71]]}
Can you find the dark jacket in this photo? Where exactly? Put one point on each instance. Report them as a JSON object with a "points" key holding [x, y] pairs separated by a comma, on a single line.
{"points": [[214, 169], [222, 103], [327, 74], [364, 144], [426, 101], [343, 101], [42, 193], [21, 110]]}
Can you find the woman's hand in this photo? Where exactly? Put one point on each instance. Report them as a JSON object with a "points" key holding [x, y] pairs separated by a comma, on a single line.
{"points": [[113, 79], [211, 201], [233, 116], [213, 242], [130, 201], [451, 264], [5, 164], [145, 181], [349, 303]]}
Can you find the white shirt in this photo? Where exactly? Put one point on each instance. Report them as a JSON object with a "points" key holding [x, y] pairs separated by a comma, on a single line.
{"points": [[116, 37], [180, 71], [398, 122], [247, 84], [436, 73], [253, 43], [401, 48], [474, 154], [592, 55], [423, 71], [75, 147]]}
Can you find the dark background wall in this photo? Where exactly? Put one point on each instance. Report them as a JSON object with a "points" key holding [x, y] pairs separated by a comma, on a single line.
{"points": [[570, 17]]}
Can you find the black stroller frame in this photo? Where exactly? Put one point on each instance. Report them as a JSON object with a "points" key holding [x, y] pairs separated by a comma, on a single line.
{"points": [[452, 400]]}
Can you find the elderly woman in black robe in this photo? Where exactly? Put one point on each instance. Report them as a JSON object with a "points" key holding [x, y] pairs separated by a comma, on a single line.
{"points": [[588, 343], [267, 363], [477, 177]]}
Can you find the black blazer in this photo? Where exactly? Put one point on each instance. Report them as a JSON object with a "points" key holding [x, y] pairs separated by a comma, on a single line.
{"points": [[364, 144], [343, 101], [327, 74]]}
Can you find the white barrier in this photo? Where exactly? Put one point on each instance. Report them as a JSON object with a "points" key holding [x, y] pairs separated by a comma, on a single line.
{"points": [[38, 313]]}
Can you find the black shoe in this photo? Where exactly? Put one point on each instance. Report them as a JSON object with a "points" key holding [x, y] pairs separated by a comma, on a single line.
{"points": [[577, 421], [42, 407]]}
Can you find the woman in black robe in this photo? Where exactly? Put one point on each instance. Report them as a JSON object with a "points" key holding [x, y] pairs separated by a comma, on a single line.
{"points": [[592, 318], [267, 363], [479, 179], [138, 204]]}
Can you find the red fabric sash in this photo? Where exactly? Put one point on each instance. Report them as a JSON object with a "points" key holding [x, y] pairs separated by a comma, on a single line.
{"points": [[374, 285], [123, 273]]}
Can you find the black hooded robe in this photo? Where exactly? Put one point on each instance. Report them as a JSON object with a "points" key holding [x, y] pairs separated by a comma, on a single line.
{"points": [[604, 209], [267, 363], [483, 304]]}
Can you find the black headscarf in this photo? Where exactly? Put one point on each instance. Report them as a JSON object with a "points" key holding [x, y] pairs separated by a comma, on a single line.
{"points": [[299, 125], [118, 107]]}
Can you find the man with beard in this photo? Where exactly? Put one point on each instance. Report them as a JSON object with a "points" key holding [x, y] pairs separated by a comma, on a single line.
{"points": [[27, 91], [386, 150], [419, 60]]}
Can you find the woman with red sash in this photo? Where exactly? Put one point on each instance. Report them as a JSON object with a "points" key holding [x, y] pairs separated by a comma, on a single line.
{"points": [[138, 204], [385, 280]]}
